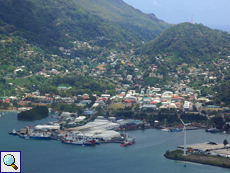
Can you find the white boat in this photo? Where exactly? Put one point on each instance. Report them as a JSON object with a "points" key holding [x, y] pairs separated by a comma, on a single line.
{"points": [[165, 129]]}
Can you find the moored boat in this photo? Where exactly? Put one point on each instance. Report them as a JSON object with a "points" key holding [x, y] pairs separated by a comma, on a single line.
{"points": [[212, 130], [176, 130], [39, 136], [13, 132], [79, 142], [128, 141], [165, 130]]}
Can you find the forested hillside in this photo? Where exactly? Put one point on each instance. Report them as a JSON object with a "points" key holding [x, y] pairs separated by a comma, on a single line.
{"points": [[55, 22], [189, 43], [148, 26]]}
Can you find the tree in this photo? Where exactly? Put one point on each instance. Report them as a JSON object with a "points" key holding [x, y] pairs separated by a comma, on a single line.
{"points": [[225, 142]]}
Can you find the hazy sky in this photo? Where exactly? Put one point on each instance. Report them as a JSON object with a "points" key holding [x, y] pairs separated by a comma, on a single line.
{"points": [[212, 13]]}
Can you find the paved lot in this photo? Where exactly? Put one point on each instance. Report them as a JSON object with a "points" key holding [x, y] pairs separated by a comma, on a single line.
{"points": [[205, 146], [223, 151]]}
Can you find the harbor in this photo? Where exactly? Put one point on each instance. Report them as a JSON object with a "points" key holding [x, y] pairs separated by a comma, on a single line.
{"points": [[150, 145], [100, 130]]}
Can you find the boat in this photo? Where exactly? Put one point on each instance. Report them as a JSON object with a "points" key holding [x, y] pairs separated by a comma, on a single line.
{"points": [[13, 132], [24, 136], [128, 141], [79, 142], [165, 129], [176, 130], [212, 130], [97, 142], [38, 135]]}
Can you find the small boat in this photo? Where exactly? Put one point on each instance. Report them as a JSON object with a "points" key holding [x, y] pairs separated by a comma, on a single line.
{"points": [[165, 129], [128, 141], [176, 130], [97, 142], [13, 132], [212, 130]]}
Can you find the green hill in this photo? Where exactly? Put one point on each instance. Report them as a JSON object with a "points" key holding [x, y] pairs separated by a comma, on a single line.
{"points": [[56, 22], [148, 26], [189, 43]]}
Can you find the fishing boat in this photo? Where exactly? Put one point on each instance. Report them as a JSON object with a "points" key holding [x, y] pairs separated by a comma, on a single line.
{"points": [[13, 132], [128, 141]]}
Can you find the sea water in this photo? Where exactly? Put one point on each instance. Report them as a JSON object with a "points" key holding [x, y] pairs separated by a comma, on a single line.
{"points": [[145, 156]]}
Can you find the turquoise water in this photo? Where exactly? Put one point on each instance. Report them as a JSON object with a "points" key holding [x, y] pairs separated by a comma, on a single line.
{"points": [[146, 155]]}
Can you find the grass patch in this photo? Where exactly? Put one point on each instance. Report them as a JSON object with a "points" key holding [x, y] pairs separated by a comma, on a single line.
{"points": [[22, 81], [116, 106]]}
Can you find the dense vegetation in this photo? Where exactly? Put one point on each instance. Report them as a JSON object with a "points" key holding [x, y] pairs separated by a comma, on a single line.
{"points": [[55, 22], [190, 43], [36, 113], [223, 93], [141, 25]]}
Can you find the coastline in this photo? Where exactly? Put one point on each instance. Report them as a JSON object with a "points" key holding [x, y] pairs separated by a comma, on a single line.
{"points": [[8, 110], [199, 160]]}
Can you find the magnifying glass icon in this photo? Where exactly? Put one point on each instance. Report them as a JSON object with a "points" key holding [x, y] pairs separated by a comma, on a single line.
{"points": [[9, 160]]}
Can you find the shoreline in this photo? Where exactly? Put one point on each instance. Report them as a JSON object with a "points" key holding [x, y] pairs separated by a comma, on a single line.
{"points": [[8, 110], [204, 162]]}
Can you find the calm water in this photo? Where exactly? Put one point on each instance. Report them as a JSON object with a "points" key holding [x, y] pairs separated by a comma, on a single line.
{"points": [[146, 155]]}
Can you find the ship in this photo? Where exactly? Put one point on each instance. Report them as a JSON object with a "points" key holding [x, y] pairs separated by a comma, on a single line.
{"points": [[128, 141], [79, 142], [36, 135]]}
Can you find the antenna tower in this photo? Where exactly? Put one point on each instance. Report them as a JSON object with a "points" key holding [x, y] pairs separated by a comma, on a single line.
{"points": [[192, 19]]}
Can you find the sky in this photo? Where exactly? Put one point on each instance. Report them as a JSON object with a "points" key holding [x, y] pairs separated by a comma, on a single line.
{"points": [[212, 13]]}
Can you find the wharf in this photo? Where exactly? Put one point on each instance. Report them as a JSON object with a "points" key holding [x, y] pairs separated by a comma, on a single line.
{"points": [[204, 146], [111, 141]]}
